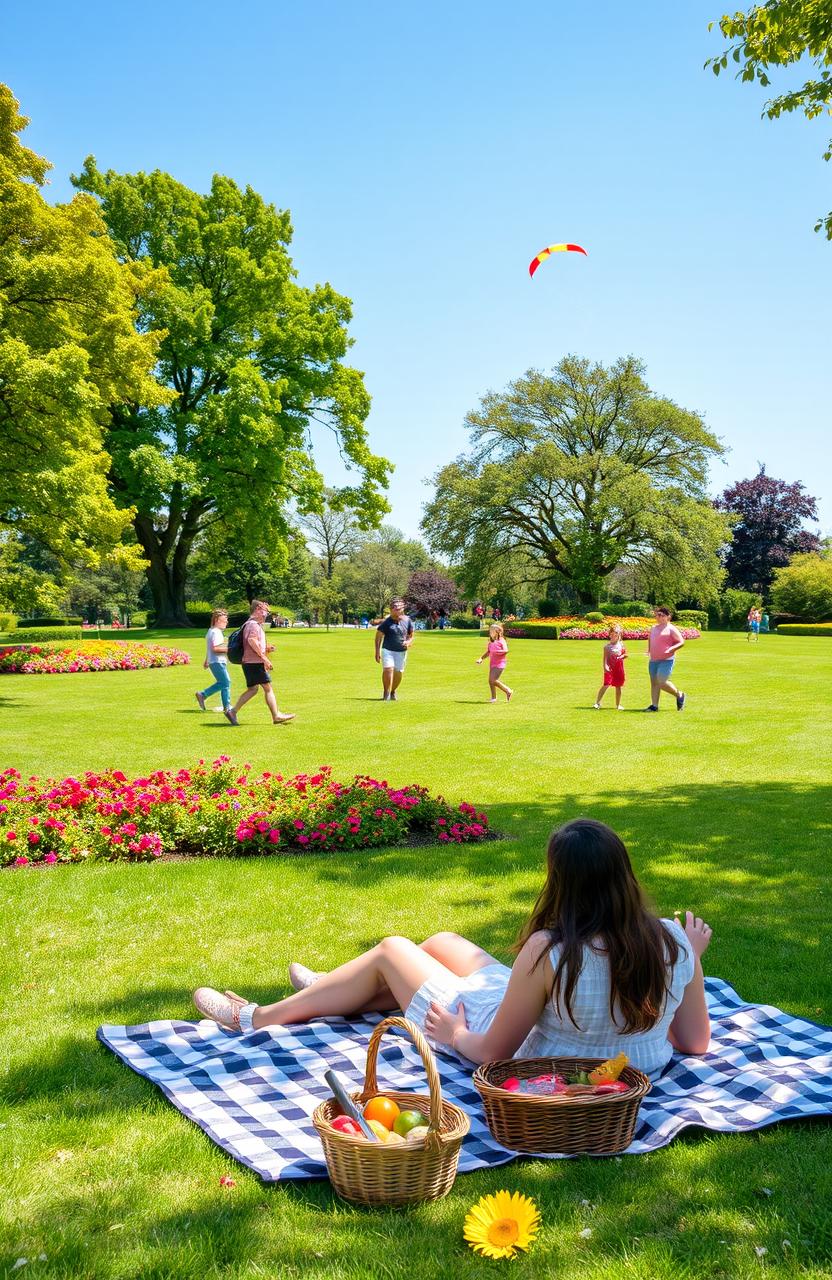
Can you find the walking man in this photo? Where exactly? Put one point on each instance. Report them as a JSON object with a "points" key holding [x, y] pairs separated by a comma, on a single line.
{"points": [[257, 666], [663, 644], [394, 636]]}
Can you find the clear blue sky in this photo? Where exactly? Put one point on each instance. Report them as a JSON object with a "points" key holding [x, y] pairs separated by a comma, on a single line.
{"points": [[428, 151]]}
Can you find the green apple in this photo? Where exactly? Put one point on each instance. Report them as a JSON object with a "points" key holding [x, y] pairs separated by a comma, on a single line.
{"points": [[407, 1120]]}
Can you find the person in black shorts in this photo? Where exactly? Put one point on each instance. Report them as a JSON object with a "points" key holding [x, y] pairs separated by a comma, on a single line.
{"points": [[394, 636], [257, 665]]}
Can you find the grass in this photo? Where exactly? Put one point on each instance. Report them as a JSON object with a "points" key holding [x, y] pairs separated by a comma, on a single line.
{"points": [[726, 808]]}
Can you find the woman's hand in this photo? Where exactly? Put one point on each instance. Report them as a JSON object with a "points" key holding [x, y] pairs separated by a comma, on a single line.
{"points": [[442, 1026], [698, 932], [479, 662]]}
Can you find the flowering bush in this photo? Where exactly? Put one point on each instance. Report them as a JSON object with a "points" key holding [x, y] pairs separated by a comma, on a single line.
{"points": [[600, 631], [87, 655], [218, 810]]}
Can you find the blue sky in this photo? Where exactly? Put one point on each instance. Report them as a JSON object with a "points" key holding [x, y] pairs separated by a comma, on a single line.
{"points": [[427, 152]]}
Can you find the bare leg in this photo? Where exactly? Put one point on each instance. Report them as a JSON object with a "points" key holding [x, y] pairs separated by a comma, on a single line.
{"points": [[397, 679], [386, 679], [457, 953], [493, 689], [271, 700], [245, 696], [395, 964], [599, 697], [618, 695], [668, 688], [654, 691], [498, 684]]}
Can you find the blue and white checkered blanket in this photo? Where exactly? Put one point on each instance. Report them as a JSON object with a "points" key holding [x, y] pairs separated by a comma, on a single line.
{"points": [[254, 1095]]}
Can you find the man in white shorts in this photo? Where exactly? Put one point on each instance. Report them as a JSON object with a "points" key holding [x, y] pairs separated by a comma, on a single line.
{"points": [[394, 636]]}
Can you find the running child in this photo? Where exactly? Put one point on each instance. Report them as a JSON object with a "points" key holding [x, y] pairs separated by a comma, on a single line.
{"points": [[614, 655], [496, 652]]}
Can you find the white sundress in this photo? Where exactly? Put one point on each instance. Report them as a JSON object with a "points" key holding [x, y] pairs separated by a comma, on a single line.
{"points": [[552, 1036]]}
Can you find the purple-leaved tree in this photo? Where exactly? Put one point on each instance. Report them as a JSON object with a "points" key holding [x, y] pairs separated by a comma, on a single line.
{"points": [[769, 529]]}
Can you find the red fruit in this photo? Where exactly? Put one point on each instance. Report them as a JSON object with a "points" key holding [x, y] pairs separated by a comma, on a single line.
{"points": [[512, 1084], [614, 1086], [346, 1124]]}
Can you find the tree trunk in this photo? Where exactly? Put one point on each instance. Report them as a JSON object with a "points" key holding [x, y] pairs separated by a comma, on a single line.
{"points": [[166, 581]]}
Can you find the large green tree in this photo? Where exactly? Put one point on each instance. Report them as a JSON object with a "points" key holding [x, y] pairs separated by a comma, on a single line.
{"points": [[579, 471], [254, 362], [69, 348], [783, 33]]}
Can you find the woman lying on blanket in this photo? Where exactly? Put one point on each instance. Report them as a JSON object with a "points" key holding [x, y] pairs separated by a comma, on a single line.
{"points": [[596, 973]]}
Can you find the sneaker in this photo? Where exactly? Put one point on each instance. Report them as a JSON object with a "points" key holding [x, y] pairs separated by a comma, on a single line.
{"points": [[596, 706], [300, 977], [393, 697], [509, 695], [231, 716], [651, 708], [219, 1008], [619, 707], [680, 702], [200, 697], [385, 697], [492, 699]]}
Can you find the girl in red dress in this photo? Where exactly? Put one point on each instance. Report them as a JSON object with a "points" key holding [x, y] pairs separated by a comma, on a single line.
{"points": [[614, 655]]}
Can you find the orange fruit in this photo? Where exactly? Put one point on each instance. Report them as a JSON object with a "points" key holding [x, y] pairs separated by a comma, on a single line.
{"points": [[382, 1109]]}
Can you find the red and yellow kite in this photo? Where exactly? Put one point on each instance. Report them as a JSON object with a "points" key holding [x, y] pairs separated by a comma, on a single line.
{"points": [[554, 248]]}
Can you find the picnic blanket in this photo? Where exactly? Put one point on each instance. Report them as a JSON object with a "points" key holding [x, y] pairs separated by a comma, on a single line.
{"points": [[254, 1094]]}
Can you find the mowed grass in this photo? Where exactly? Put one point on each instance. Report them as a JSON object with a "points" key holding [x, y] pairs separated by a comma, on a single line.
{"points": [[725, 808]]}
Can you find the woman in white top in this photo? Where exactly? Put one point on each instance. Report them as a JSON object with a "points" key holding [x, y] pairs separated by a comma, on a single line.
{"points": [[596, 973], [216, 661]]}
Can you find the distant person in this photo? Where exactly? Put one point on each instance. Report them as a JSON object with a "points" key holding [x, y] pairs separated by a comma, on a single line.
{"points": [[394, 636], [216, 661], [257, 666], [443, 620], [663, 643], [496, 613], [496, 651], [614, 655], [479, 612], [764, 623], [753, 624]]}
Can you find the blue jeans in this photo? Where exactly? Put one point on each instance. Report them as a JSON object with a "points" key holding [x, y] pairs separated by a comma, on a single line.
{"points": [[222, 683]]}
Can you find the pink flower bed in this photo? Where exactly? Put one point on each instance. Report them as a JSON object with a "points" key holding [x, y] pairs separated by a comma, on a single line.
{"points": [[219, 810], [600, 631], [62, 657]]}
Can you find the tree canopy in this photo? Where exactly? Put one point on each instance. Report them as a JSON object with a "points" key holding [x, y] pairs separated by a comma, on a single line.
{"points": [[578, 471], [253, 362], [431, 591], [768, 529], [804, 588], [781, 33], [69, 348]]}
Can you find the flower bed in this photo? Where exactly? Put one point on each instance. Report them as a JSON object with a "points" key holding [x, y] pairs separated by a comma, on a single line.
{"points": [[216, 810], [87, 655], [601, 631]]}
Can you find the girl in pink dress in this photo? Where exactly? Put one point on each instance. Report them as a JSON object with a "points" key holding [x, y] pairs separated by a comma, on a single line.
{"points": [[497, 654], [614, 655]]}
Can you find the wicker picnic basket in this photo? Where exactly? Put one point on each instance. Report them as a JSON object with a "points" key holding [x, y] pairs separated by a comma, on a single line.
{"points": [[580, 1124], [373, 1173]]}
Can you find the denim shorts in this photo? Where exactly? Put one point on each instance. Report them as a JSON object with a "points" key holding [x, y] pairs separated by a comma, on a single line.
{"points": [[660, 670]]}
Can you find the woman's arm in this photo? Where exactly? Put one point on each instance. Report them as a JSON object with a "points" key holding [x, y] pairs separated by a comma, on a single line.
{"points": [[520, 1009], [690, 1030]]}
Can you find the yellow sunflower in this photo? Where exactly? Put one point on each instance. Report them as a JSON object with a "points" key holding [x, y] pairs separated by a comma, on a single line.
{"points": [[497, 1226]]}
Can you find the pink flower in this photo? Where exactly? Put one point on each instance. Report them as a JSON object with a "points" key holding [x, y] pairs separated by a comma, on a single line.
{"points": [[303, 839], [51, 857], [11, 835], [298, 825], [21, 861]]}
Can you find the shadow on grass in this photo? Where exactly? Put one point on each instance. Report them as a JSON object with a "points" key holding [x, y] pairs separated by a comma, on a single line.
{"points": [[643, 1220]]}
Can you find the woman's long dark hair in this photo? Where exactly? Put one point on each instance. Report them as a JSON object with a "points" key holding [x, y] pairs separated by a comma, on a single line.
{"points": [[592, 897]]}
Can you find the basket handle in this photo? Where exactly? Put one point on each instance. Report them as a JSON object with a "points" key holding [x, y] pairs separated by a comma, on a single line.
{"points": [[434, 1087]]}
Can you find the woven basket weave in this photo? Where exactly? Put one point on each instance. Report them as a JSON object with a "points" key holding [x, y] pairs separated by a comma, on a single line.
{"points": [[373, 1173], [582, 1124]]}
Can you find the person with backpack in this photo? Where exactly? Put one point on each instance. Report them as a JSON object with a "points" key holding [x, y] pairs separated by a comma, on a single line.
{"points": [[248, 647]]}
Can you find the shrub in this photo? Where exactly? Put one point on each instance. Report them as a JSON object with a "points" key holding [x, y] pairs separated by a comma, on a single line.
{"points": [[8, 622], [52, 622], [734, 605], [804, 587], [532, 631], [594, 617], [627, 609], [138, 619], [464, 622], [805, 629], [217, 810], [199, 617], [692, 618], [35, 635]]}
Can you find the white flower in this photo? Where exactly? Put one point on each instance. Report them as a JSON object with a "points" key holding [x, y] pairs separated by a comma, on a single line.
{"points": [[586, 1233], [760, 1250]]}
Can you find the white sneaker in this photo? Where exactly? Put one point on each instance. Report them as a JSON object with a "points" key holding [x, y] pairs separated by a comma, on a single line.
{"points": [[300, 977], [619, 707], [596, 706]]}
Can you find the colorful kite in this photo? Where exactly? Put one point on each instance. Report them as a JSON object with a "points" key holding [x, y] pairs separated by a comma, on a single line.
{"points": [[554, 248]]}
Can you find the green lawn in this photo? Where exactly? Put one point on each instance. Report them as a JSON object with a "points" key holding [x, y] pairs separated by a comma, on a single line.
{"points": [[725, 808]]}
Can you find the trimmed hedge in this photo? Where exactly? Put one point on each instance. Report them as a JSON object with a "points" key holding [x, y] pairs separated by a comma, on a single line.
{"points": [[594, 616], [43, 635], [805, 629], [692, 618], [8, 622], [627, 609], [532, 631], [465, 622], [52, 622]]}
